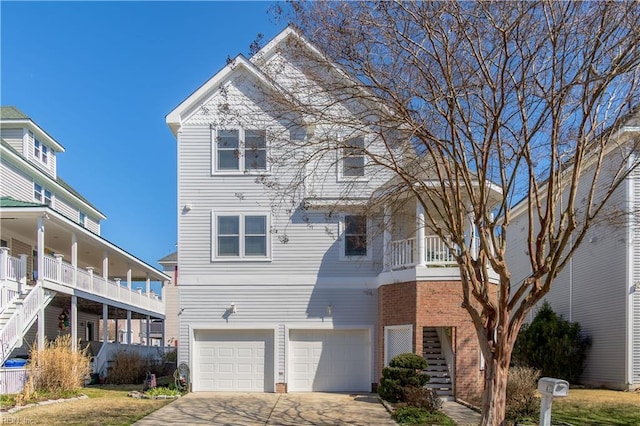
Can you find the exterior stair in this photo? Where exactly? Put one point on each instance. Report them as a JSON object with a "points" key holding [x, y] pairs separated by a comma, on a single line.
{"points": [[18, 316], [437, 366]]}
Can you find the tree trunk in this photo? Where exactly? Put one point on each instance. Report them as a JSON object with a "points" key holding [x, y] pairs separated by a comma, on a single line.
{"points": [[494, 399]]}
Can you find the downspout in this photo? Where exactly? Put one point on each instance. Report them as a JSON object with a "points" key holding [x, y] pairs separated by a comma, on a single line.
{"points": [[630, 270]]}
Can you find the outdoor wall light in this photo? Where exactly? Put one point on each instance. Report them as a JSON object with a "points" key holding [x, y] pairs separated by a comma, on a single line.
{"points": [[232, 308], [187, 208], [329, 310]]}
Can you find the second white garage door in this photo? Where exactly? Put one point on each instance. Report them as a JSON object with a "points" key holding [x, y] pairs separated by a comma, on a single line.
{"points": [[236, 361], [329, 361]]}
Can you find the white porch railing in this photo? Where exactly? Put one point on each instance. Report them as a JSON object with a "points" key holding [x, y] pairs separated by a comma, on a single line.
{"points": [[63, 273], [404, 253], [24, 315], [12, 380]]}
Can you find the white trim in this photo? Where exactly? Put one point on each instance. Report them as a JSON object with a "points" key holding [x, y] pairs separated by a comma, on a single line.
{"points": [[342, 238], [242, 170], [629, 288], [366, 140], [241, 235], [31, 125]]}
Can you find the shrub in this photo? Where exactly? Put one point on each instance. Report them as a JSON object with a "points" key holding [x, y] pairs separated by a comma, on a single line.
{"points": [[552, 345], [404, 370], [163, 391], [131, 368], [424, 398], [521, 393], [56, 370]]}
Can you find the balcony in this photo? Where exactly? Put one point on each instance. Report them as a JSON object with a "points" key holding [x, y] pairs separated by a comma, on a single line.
{"points": [[436, 253], [62, 276]]}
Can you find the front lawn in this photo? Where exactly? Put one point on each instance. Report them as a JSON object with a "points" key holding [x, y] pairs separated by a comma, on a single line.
{"points": [[105, 405], [597, 407]]}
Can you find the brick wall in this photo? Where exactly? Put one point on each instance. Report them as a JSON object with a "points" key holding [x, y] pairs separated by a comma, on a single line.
{"points": [[433, 304]]}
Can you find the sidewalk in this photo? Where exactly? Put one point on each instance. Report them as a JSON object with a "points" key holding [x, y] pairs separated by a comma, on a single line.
{"points": [[462, 415]]}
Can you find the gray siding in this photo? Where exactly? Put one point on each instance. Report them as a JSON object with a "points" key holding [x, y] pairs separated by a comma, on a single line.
{"points": [[14, 138], [275, 306], [14, 182]]}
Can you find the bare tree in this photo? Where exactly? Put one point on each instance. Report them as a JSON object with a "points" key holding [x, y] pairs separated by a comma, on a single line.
{"points": [[475, 107]]}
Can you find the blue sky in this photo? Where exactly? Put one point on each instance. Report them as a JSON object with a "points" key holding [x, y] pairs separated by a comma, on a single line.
{"points": [[101, 76]]}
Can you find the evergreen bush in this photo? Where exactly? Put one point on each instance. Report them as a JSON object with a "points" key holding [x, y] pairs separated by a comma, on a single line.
{"points": [[552, 345], [404, 370]]}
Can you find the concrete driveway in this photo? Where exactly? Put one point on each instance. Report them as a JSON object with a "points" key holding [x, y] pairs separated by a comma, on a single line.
{"points": [[245, 409]]}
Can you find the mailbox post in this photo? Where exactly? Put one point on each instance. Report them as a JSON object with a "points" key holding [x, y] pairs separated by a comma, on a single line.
{"points": [[549, 388]]}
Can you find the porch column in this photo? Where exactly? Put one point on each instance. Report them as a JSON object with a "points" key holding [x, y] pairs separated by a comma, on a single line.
{"points": [[41, 337], [129, 278], [4, 260], [74, 323], [420, 235], [40, 274], [74, 259], [105, 323], [105, 265], [59, 258], [148, 330], [148, 286], [40, 248], [472, 238], [386, 239], [128, 327]]}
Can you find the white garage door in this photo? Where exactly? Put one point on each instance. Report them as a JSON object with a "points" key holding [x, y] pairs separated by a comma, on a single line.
{"points": [[329, 360], [236, 361]]}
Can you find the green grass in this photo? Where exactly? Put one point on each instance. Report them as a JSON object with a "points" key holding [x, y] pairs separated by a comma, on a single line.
{"points": [[416, 416], [577, 413]]}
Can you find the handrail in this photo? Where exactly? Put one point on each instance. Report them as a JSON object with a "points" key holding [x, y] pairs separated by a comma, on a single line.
{"points": [[61, 272]]}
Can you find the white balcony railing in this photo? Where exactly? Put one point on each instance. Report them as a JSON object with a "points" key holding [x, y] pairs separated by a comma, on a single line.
{"points": [[404, 253], [59, 272]]}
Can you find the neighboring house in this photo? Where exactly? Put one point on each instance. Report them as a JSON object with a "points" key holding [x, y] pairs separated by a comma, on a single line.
{"points": [[171, 299], [325, 306], [57, 274], [600, 286]]}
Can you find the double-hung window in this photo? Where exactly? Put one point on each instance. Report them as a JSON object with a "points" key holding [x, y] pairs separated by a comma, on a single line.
{"points": [[41, 194], [82, 219], [355, 242], [239, 150], [353, 159], [240, 236], [40, 151]]}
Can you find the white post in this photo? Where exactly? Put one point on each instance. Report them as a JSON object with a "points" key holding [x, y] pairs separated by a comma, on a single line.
{"points": [[105, 323], [148, 289], [129, 278], [22, 281], [74, 260], [420, 234], [90, 271], [41, 337], [472, 238], [40, 248], [148, 331], [386, 239], [58, 258], [118, 281], [74, 323], [128, 327], [4, 262]]}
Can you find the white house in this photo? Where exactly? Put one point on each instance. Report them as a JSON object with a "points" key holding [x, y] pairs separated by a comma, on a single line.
{"points": [[57, 274], [600, 286], [309, 297]]}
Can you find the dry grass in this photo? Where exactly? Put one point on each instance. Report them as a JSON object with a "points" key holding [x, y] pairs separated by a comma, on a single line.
{"points": [[55, 370], [106, 405]]}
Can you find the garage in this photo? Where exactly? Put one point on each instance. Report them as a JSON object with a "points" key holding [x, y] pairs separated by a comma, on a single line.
{"points": [[233, 360], [329, 361]]}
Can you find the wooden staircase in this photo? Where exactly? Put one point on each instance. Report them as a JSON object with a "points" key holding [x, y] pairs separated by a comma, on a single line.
{"points": [[436, 363], [18, 316]]}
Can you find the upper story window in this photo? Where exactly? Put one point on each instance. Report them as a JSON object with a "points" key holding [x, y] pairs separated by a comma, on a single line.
{"points": [[353, 159], [40, 151], [41, 194], [240, 236], [239, 150], [82, 220], [355, 239]]}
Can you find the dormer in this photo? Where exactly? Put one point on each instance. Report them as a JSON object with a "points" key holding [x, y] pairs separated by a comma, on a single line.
{"points": [[29, 140]]}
